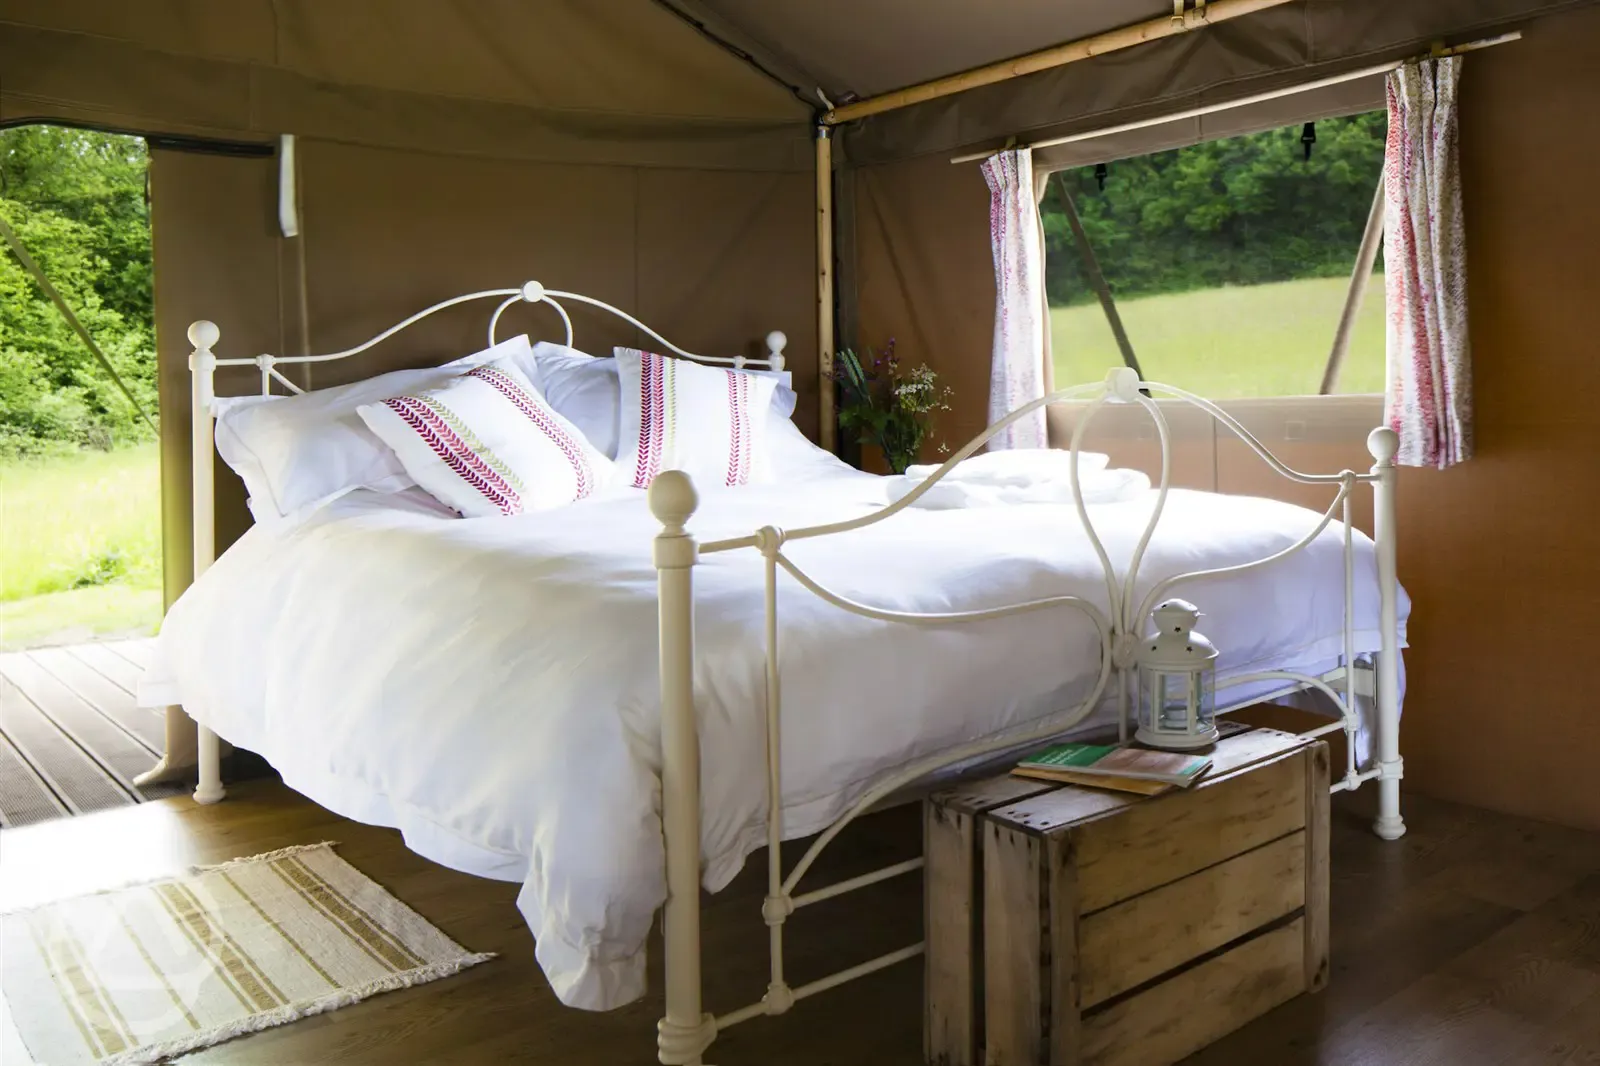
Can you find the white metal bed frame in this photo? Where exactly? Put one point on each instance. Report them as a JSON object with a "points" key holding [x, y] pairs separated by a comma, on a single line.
{"points": [[687, 1031]]}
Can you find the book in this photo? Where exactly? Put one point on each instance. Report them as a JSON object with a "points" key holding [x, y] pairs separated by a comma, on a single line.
{"points": [[1109, 760], [1137, 785]]}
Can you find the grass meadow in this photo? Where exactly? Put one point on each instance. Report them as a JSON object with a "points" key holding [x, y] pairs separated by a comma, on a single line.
{"points": [[1260, 340], [80, 546]]}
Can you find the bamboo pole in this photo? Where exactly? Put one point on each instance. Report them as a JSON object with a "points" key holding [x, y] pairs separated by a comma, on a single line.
{"points": [[1359, 279], [1196, 112], [1243, 101], [1048, 58], [825, 402]]}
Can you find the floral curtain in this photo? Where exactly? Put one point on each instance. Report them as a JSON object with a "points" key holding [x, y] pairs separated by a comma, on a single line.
{"points": [[1428, 396], [1017, 372]]}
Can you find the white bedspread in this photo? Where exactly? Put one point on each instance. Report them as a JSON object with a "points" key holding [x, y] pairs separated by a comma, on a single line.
{"points": [[489, 686]]}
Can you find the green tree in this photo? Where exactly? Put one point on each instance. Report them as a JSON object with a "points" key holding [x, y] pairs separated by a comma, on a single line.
{"points": [[1239, 211], [77, 201]]}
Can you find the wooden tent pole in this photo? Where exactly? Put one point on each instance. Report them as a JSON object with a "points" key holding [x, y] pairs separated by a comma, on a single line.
{"points": [[825, 394], [1359, 277], [1045, 59]]}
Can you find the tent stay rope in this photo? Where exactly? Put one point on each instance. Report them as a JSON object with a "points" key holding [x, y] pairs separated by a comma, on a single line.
{"points": [[28, 264], [1360, 277], [1097, 279]]}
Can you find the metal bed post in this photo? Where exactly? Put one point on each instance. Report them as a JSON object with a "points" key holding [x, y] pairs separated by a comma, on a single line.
{"points": [[1383, 443], [202, 368], [684, 1034]]}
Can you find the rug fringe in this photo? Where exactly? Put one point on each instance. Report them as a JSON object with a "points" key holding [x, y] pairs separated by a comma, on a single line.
{"points": [[150, 1054], [268, 856]]}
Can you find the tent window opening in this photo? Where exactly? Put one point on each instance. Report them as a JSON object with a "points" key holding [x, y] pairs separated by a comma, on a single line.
{"points": [[80, 486], [1222, 267]]}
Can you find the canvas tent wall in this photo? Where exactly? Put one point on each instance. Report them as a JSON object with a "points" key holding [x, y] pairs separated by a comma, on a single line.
{"points": [[609, 149], [617, 149]]}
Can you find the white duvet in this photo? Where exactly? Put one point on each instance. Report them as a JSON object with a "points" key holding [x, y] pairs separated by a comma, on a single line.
{"points": [[489, 686]]}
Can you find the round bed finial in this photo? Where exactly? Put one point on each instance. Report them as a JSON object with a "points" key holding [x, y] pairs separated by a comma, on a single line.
{"points": [[532, 291], [1122, 382], [1383, 443], [672, 498], [204, 335]]}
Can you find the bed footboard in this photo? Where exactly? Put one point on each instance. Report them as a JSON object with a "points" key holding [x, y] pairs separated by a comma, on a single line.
{"points": [[686, 1031], [1383, 444]]}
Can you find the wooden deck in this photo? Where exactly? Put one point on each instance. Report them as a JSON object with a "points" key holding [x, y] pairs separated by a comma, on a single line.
{"points": [[1474, 941], [72, 738]]}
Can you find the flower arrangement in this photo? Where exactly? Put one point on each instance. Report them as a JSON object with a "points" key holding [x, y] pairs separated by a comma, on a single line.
{"points": [[888, 404]]}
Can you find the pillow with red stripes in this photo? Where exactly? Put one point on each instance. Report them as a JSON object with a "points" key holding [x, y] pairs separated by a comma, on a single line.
{"points": [[487, 443], [677, 414]]}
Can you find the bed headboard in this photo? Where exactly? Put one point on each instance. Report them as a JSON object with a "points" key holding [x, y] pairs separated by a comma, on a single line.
{"points": [[204, 336]]}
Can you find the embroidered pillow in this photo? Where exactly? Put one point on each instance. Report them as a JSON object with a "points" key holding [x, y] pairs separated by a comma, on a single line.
{"points": [[677, 414], [487, 443]]}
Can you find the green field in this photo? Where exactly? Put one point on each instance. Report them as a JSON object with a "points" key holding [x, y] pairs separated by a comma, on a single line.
{"points": [[80, 546], [1261, 340]]}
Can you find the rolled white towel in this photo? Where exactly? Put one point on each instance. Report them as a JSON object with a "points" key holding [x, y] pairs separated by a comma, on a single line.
{"points": [[1018, 466], [1100, 486]]}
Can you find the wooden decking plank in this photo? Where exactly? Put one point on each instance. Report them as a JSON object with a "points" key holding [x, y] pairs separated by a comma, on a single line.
{"points": [[109, 664], [25, 798], [137, 652], [80, 782], [105, 744], [105, 696]]}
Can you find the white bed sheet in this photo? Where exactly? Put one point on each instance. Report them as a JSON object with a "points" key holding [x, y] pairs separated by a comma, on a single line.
{"points": [[489, 686]]}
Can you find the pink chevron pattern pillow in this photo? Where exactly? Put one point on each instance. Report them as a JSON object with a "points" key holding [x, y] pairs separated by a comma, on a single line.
{"points": [[487, 443], [677, 414]]}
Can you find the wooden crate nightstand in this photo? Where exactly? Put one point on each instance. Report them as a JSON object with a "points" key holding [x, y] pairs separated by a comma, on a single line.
{"points": [[1078, 926]]}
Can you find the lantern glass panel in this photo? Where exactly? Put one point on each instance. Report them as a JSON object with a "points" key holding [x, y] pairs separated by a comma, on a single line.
{"points": [[1172, 707], [1205, 697]]}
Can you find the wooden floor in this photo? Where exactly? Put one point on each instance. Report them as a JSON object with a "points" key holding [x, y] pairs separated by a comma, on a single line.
{"points": [[1474, 940], [72, 738]]}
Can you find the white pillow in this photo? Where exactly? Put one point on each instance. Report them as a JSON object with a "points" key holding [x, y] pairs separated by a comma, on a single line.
{"points": [[487, 443], [791, 457], [584, 390], [588, 392], [296, 451], [677, 414]]}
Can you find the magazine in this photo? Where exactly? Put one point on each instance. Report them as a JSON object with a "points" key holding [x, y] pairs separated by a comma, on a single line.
{"points": [[1084, 763]]}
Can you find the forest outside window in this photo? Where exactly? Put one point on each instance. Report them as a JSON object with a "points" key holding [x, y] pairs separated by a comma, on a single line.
{"points": [[1228, 262]]}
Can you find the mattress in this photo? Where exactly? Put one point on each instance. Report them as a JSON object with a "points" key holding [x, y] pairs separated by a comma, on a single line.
{"points": [[490, 686]]}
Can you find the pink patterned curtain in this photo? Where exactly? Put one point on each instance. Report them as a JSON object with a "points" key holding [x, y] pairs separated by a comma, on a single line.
{"points": [[1017, 373], [1428, 398]]}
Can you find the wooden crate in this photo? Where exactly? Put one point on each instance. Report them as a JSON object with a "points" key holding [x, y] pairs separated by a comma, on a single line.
{"points": [[1069, 925]]}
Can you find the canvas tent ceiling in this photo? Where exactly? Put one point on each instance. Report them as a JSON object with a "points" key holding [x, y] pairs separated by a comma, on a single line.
{"points": [[644, 82], [624, 81]]}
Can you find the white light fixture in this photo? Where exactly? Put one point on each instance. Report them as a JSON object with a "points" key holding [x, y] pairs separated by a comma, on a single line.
{"points": [[1177, 682]]}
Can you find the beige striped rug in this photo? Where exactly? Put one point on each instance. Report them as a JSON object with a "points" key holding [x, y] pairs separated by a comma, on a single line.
{"points": [[144, 973]]}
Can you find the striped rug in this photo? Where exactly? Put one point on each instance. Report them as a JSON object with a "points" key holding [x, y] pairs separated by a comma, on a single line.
{"points": [[147, 972]]}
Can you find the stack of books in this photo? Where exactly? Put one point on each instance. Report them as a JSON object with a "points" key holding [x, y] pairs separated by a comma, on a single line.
{"points": [[1140, 770]]}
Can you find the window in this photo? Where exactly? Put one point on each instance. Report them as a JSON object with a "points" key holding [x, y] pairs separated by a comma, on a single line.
{"points": [[1228, 261]]}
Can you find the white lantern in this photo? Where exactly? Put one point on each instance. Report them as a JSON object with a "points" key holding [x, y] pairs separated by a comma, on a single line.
{"points": [[1177, 682]]}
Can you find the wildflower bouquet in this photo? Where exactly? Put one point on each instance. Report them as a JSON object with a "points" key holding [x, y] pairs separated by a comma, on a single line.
{"points": [[889, 405]]}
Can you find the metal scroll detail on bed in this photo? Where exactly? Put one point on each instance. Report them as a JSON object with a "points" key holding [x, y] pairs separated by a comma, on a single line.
{"points": [[686, 1031]]}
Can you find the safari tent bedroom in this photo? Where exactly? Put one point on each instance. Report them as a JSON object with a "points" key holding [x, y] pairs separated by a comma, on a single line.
{"points": [[714, 531]]}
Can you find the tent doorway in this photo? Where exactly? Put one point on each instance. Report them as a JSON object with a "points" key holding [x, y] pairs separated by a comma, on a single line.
{"points": [[80, 496]]}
